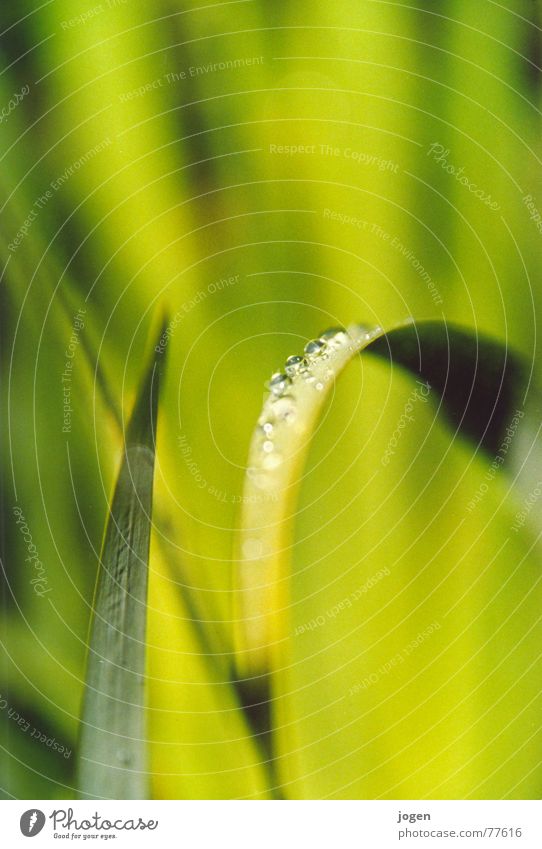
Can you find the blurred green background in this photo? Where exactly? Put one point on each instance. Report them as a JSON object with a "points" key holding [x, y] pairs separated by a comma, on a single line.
{"points": [[262, 170]]}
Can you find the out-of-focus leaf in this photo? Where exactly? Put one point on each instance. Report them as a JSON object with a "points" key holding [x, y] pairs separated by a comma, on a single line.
{"points": [[480, 380], [411, 665], [201, 745], [37, 759]]}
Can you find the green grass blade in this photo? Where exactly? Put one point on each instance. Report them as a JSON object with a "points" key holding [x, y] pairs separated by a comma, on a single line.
{"points": [[276, 458], [112, 752]]}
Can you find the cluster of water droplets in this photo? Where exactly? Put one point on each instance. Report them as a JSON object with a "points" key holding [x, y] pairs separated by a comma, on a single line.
{"points": [[280, 407], [312, 369]]}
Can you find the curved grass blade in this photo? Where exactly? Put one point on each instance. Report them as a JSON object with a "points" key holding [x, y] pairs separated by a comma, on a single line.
{"points": [[276, 457], [479, 381], [112, 751]]}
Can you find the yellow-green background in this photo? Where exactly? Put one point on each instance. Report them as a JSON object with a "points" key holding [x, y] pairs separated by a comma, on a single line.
{"points": [[187, 192]]}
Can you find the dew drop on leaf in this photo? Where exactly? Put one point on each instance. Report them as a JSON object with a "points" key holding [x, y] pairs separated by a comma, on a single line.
{"points": [[314, 348], [331, 332], [123, 757], [279, 383], [335, 336], [284, 409], [271, 461], [294, 365], [252, 549]]}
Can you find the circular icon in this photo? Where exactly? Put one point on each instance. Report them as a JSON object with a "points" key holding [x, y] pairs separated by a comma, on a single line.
{"points": [[32, 822]]}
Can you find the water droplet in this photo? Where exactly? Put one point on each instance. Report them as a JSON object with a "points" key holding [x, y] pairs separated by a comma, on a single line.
{"points": [[271, 461], [315, 347], [252, 549], [267, 427], [260, 480], [319, 386], [284, 409], [335, 337], [366, 330], [279, 383], [123, 757], [268, 446], [294, 365], [370, 332], [331, 332]]}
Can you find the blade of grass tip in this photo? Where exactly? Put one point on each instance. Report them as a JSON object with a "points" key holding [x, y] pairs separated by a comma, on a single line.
{"points": [[478, 380], [112, 752]]}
